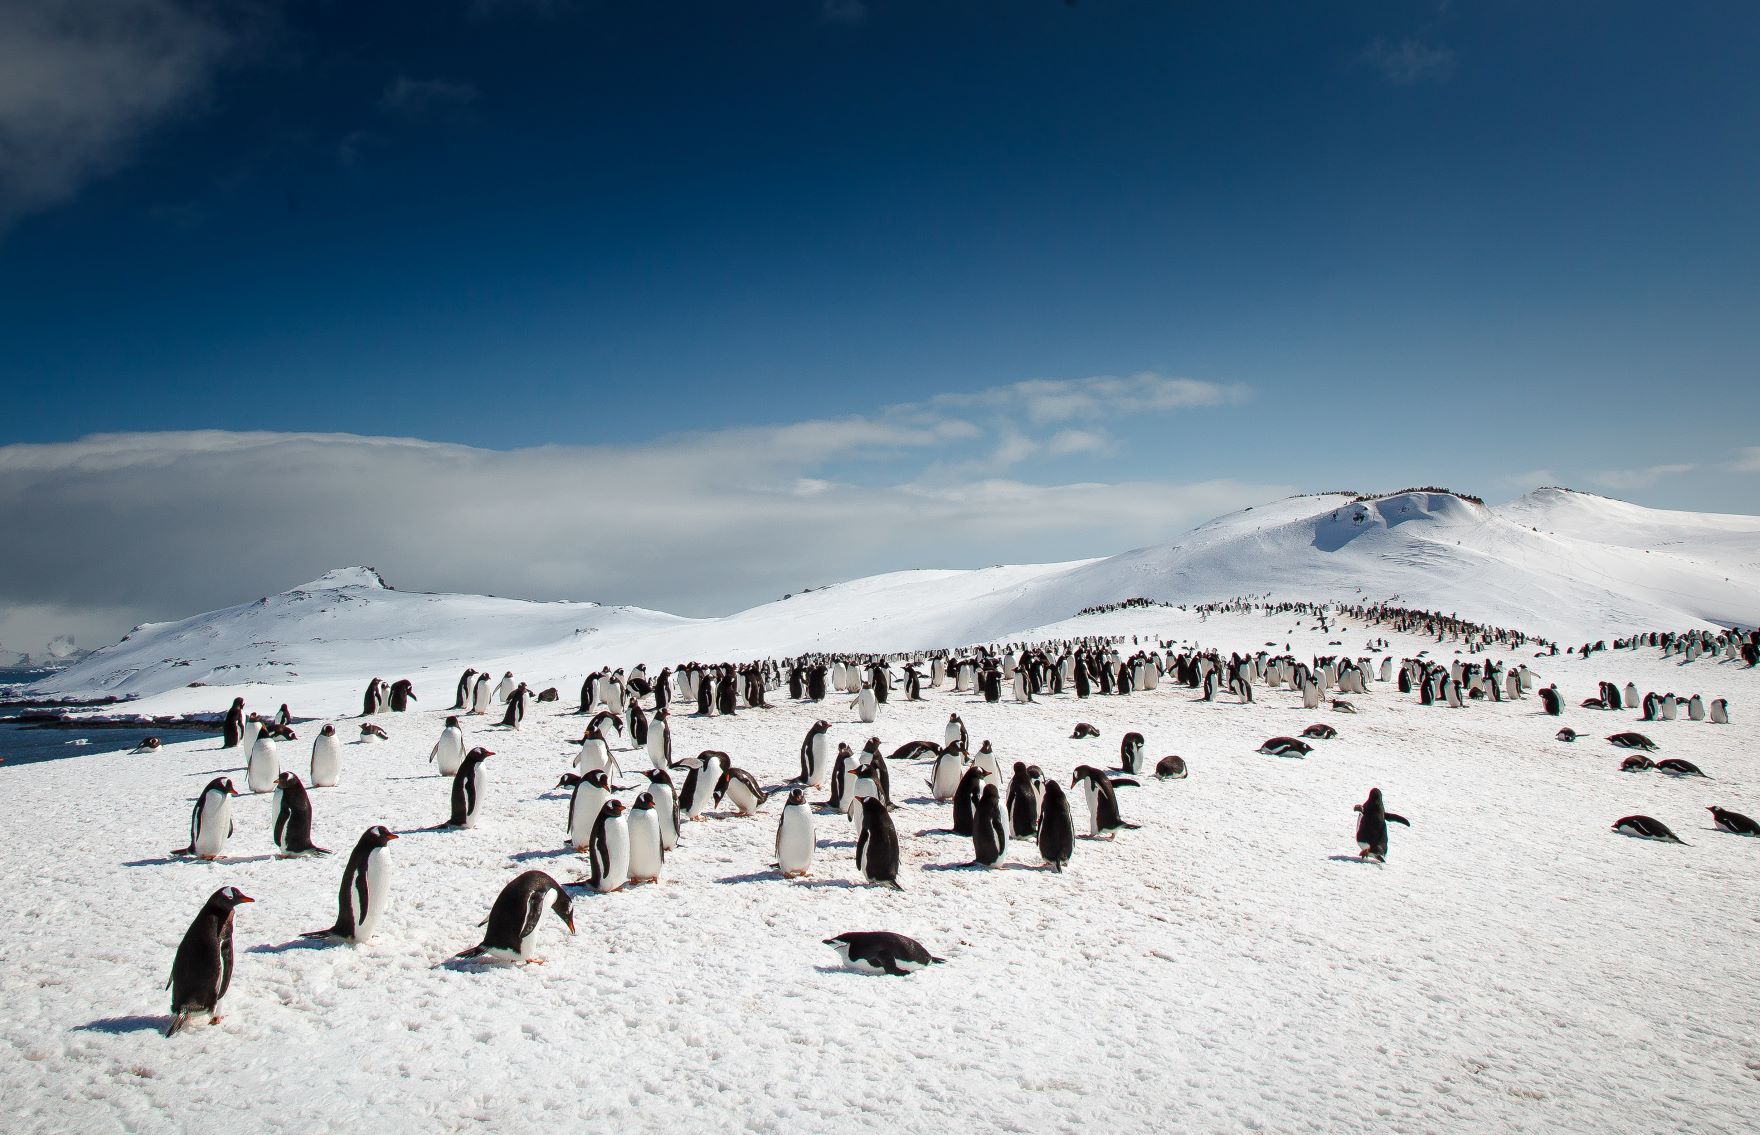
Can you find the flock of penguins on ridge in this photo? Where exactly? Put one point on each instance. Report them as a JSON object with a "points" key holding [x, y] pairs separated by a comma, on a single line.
{"points": [[628, 845]]}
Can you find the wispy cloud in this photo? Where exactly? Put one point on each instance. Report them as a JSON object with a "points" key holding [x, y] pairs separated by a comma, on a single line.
{"points": [[1407, 62], [1636, 478], [843, 11], [414, 97], [1049, 400], [1747, 462]]}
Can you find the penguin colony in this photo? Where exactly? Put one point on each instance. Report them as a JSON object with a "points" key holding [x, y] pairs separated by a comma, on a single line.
{"points": [[624, 844]]}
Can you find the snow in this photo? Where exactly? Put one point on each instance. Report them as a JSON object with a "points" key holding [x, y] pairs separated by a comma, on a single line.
{"points": [[1514, 966]]}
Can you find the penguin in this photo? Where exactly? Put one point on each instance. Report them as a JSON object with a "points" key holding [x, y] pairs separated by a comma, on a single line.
{"points": [[635, 723], [1674, 766], [741, 789], [467, 789], [482, 695], [550, 694], [201, 973], [1057, 831], [448, 752], [595, 753], [371, 733], [1320, 731], [365, 890], [647, 852], [1733, 822], [1551, 702], [989, 829], [403, 691], [659, 743], [867, 705], [841, 770], [293, 818], [815, 755], [950, 765], [462, 698], [1566, 734], [516, 706], [252, 728], [505, 687], [1632, 741], [1171, 768], [1023, 803], [263, 766], [877, 846], [1646, 827], [1130, 754], [1636, 764], [373, 700], [794, 837], [512, 925], [210, 821], [148, 745], [985, 758], [665, 805], [965, 800], [608, 854], [698, 795], [955, 731], [881, 951], [233, 728], [326, 758], [1718, 711], [1103, 815], [1372, 827], [1286, 747], [584, 805], [1083, 730]]}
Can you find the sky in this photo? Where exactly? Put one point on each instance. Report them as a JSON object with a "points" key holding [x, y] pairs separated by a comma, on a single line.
{"points": [[688, 304]]}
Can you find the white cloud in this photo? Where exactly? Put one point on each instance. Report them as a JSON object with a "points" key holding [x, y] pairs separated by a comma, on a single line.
{"points": [[416, 97], [1067, 442], [1410, 61], [1748, 462], [843, 11], [1636, 478], [1049, 400]]}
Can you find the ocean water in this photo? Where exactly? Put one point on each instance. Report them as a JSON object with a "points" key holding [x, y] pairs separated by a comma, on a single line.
{"points": [[27, 744]]}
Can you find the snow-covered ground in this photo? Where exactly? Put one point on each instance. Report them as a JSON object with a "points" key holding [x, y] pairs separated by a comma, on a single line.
{"points": [[1231, 966]]}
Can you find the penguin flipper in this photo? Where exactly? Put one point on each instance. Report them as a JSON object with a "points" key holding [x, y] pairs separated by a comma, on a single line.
{"points": [[1396, 818], [476, 951], [1124, 782]]}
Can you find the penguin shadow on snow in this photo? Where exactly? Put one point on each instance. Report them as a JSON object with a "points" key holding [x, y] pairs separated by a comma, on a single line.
{"points": [[121, 1026], [225, 861], [523, 856], [1353, 859], [295, 944], [773, 875]]}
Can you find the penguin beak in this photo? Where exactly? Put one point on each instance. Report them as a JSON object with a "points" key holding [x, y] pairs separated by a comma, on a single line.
{"points": [[390, 835], [242, 897]]}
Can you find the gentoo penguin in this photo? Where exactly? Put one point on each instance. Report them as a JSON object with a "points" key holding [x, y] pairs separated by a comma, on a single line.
{"points": [[448, 752], [506, 686], [815, 755], [1083, 729], [1286, 747], [371, 733], [1718, 711], [989, 829], [512, 925], [1320, 731], [251, 729], [233, 729], [595, 752], [210, 821], [955, 731], [365, 890], [1646, 827], [590, 795], [516, 706], [1632, 741], [202, 971], [965, 799], [403, 691], [1023, 803], [659, 743], [467, 789], [1677, 767], [1550, 701], [263, 765], [1372, 827], [666, 804], [794, 837], [877, 846], [647, 853], [740, 788], [1637, 763], [635, 723], [608, 855], [466, 682], [1130, 754], [1057, 831], [698, 795], [374, 699], [985, 758], [482, 694], [293, 818], [326, 758], [149, 745], [1103, 815], [950, 765], [1733, 822], [867, 704], [1171, 768], [842, 773], [1566, 734], [881, 951]]}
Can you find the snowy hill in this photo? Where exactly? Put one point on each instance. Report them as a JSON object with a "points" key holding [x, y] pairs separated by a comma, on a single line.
{"points": [[1560, 563]]}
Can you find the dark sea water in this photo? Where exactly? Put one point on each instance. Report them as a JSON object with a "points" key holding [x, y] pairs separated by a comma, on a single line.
{"points": [[27, 744]]}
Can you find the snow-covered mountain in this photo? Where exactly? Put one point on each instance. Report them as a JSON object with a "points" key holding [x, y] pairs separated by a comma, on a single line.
{"points": [[1557, 562]]}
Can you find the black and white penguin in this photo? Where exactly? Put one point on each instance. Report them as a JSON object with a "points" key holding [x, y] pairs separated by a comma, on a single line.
{"points": [[1372, 827], [647, 851], [741, 789], [516, 706], [1130, 754], [466, 682], [1083, 730], [326, 758], [365, 890], [210, 821], [1646, 827], [1566, 734], [698, 793], [950, 765], [293, 818], [842, 775], [955, 731], [965, 799], [1286, 747], [877, 846], [1320, 731], [815, 755], [608, 854], [233, 729], [263, 765], [512, 925], [482, 694], [148, 745], [467, 789], [881, 951], [1733, 822], [505, 687], [1171, 768], [1023, 803], [201, 973], [1103, 817], [1632, 741], [448, 752], [1057, 831], [1550, 701], [989, 829], [373, 700], [1674, 766], [794, 837], [1639, 763], [584, 804], [665, 806], [371, 733], [403, 691]]}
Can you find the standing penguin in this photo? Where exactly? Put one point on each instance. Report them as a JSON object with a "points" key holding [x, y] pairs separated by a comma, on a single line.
{"points": [[1550, 701], [1130, 754], [1102, 803], [448, 752], [365, 890], [516, 706], [263, 765], [609, 853], [635, 722], [403, 691], [326, 758], [877, 846], [466, 682], [965, 800], [1372, 827], [373, 700], [666, 805], [956, 731], [505, 687], [293, 818], [202, 971], [989, 830], [816, 754], [950, 765], [589, 798], [467, 789], [482, 694], [210, 821], [701, 782], [1057, 831], [512, 925], [647, 854], [234, 727], [794, 837], [867, 704], [1023, 803]]}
